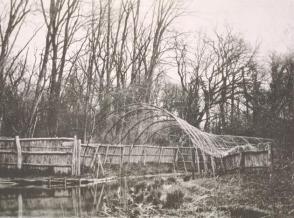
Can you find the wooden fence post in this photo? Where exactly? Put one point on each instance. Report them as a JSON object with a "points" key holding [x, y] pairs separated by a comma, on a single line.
{"points": [[106, 154], [94, 157], [100, 164], [270, 159], [130, 153], [176, 159], [270, 155], [213, 165], [193, 163], [222, 159], [183, 157], [242, 161], [18, 150], [121, 160], [144, 157], [74, 155], [79, 157], [160, 153], [198, 160], [205, 162]]}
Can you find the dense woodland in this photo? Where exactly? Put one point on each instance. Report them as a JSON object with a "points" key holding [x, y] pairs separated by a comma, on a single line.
{"points": [[102, 57]]}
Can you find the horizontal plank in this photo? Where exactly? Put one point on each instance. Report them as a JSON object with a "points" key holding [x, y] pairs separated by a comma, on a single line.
{"points": [[4, 163], [232, 155], [247, 153], [246, 167], [256, 152], [93, 145], [55, 147], [39, 165], [7, 151], [146, 155], [256, 167], [46, 165], [47, 139], [37, 139], [40, 197], [90, 145], [7, 140], [104, 145], [47, 152], [86, 156]]}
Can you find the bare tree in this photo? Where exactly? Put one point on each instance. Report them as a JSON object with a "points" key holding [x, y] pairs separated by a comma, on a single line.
{"points": [[61, 23], [213, 77], [10, 26]]}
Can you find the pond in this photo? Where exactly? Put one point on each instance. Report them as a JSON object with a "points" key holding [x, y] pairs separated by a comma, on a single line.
{"points": [[160, 197], [44, 202]]}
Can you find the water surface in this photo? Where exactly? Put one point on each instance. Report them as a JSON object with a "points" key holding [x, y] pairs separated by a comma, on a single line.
{"points": [[57, 202]]}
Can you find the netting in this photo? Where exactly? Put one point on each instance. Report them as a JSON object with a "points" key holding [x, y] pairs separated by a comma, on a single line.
{"points": [[141, 122]]}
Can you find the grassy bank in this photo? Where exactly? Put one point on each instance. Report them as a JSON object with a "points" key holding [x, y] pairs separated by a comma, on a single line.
{"points": [[252, 194]]}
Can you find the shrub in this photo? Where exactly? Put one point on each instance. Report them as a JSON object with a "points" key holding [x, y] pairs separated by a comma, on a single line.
{"points": [[154, 197], [140, 186], [171, 180], [174, 199], [187, 178], [158, 182]]}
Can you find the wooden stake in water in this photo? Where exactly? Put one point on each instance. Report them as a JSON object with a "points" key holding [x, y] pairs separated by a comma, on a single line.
{"points": [[19, 203]]}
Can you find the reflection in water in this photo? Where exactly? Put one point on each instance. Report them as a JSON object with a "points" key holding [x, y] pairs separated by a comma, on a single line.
{"points": [[131, 198], [19, 202], [37, 202]]}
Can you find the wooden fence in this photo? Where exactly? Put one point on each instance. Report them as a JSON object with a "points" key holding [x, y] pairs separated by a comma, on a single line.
{"points": [[62, 155], [189, 157], [115, 154], [249, 159], [69, 156]]}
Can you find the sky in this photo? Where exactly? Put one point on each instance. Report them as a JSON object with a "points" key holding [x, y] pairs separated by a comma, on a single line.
{"points": [[268, 23], [265, 22]]}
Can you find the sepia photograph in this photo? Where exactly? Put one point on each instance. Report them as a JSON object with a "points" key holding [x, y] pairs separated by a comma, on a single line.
{"points": [[147, 108]]}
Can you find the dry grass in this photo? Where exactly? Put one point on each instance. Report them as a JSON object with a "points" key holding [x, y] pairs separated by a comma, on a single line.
{"points": [[253, 194]]}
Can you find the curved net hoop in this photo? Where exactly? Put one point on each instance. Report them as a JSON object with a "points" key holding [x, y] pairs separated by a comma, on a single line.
{"points": [[151, 120]]}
